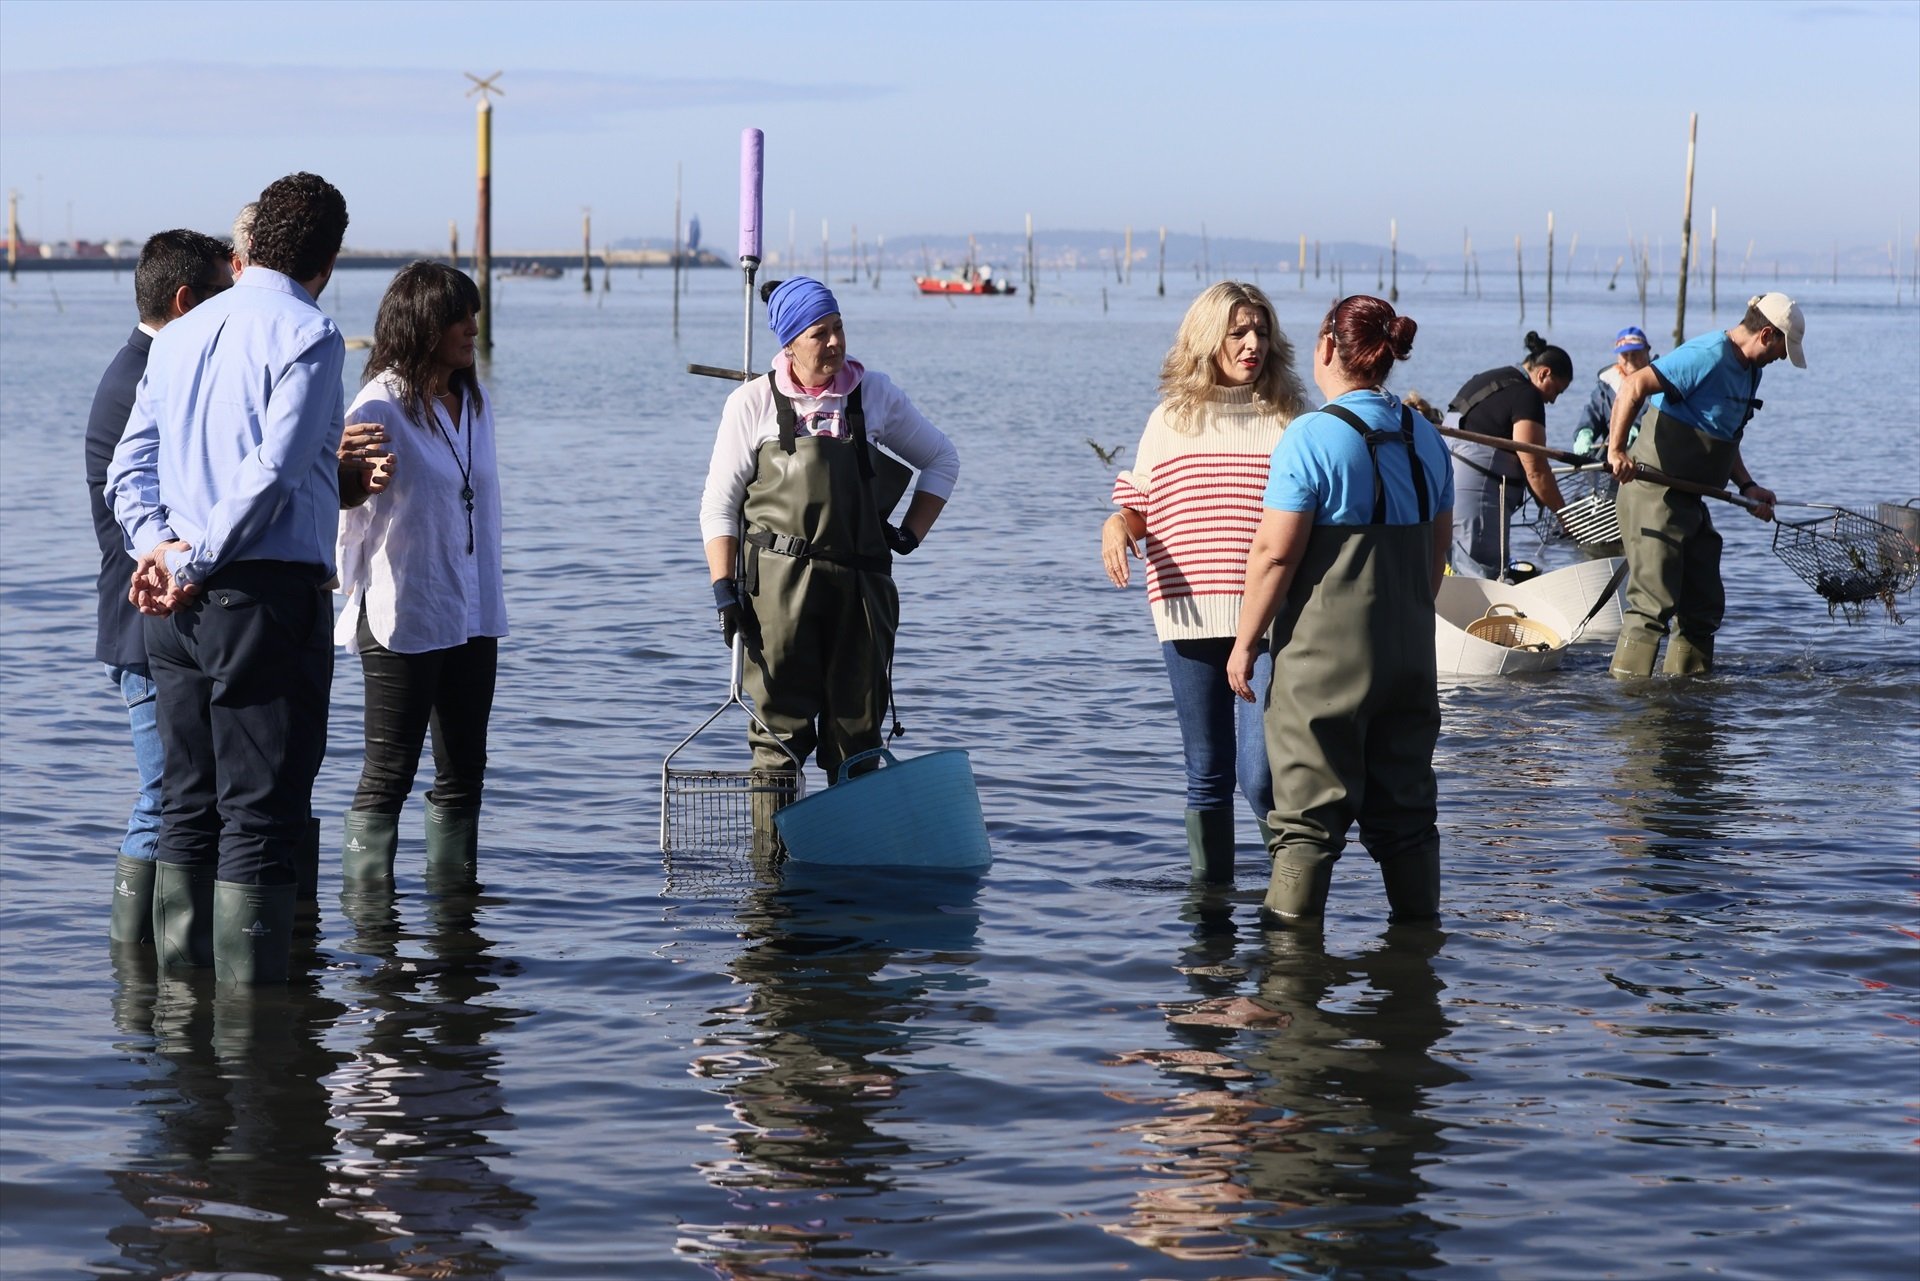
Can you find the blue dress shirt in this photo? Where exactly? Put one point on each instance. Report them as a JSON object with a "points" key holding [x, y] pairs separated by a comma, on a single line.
{"points": [[231, 443]]}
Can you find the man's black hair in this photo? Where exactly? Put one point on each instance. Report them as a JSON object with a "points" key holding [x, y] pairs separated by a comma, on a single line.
{"points": [[171, 259], [299, 226]]}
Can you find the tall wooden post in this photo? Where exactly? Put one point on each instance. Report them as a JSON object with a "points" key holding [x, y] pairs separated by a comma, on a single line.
{"points": [[1033, 279], [1520, 275], [1303, 261], [1686, 234], [586, 251], [1393, 247], [1466, 258], [13, 236], [483, 220], [453, 243], [1163, 262], [1128, 255], [676, 249], [1549, 269]]}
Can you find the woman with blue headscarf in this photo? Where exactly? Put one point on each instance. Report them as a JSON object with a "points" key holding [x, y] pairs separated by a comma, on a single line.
{"points": [[795, 520]]}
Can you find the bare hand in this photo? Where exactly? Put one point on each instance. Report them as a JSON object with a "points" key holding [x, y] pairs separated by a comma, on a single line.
{"points": [[1623, 468], [152, 589], [1117, 547], [366, 462], [1766, 499], [1240, 670]]}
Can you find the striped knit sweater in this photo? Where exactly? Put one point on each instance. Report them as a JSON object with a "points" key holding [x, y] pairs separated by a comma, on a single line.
{"points": [[1200, 497]]}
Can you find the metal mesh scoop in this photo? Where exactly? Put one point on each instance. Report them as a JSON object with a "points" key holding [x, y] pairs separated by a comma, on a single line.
{"points": [[1851, 560]]}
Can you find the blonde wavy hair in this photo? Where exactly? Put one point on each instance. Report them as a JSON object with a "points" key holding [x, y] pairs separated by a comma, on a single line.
{"points": [[1187, 376]]}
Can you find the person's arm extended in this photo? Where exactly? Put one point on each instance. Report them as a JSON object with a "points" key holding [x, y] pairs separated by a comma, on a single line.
{"points": [[1634, 392], [1590, 437], [133, 478], [1120, 536], [300, 425], [1278, 546], [1538, 471]]}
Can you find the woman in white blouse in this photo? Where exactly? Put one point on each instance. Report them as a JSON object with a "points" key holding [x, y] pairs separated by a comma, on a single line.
{"points": [[420, 570]]}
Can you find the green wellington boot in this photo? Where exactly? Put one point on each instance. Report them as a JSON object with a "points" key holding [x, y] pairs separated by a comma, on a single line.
{"points": [[252, 932], [1634, 656], [453, 845], [1413, 885], [1266, 836], [1210, 845], [182, 916], [1297, 890], [1689, 657], [132, 920], [367, 849]]}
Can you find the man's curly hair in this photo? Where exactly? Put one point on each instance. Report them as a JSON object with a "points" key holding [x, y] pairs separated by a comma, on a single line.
{"points": [[298, 227]]}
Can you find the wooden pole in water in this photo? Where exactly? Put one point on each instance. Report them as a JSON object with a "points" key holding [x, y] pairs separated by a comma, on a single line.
{"points": [[453, 243], [1128, 279], [676, 249], [483, 227], [1393, 243], [1466, 258], [1549, 269], [1033, 279], [879, 258], [1316, 260], [1163, 262], [1686, 235], [1573, 247], [1614, 279], [606, 268], [1520, 275], [586, 250], [1303, 261], [13, 236], [1713, 261]]}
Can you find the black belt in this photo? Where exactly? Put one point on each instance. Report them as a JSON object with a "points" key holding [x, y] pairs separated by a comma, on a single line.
{"points": [[800, 549]]}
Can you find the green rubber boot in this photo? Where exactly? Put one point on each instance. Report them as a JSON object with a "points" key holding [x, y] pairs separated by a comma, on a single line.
{"points": [[1413, 885], [1266, 836], [367, 849], [182, 916], [1634, 656], [1210, 845], [252, 932], [1689, 656], [453, 845], [1297, 890], [132, 919]]}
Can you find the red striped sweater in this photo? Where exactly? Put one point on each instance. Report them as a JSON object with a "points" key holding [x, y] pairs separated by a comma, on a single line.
{"points": [[1200, 497]]}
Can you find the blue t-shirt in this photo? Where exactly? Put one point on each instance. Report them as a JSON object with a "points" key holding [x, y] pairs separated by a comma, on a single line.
{"points": [[1711, 385], [1322, 465]]}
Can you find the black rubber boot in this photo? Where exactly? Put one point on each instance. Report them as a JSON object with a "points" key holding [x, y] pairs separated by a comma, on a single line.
{"points": [[453, 846], [306, 871], [367, 848], [252, 932], [1297, 890], [182, 916], [132, 919], [1210, 845], [1413, 885]]}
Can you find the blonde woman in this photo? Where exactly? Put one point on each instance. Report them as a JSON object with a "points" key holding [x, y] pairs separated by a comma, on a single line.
{"points": [[1227, 391]]}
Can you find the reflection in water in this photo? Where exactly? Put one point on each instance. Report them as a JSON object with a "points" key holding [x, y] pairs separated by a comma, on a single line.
{"points": [[1672, 757], [271, 1154], [812, 1063], [1302, 1138], [420, 1102]]}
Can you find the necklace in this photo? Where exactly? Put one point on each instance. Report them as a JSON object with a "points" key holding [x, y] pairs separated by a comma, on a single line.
{"points": [[466, 471]]}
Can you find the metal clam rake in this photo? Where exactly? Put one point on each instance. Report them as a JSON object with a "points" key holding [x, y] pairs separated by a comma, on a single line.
{"points": [[716, 824]]}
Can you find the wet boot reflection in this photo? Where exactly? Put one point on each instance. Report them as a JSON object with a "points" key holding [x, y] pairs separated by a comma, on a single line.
{"points": [[842, 978]]}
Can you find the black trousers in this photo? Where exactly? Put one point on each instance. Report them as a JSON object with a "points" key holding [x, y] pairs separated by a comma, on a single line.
{"points": [[243, 675], [448, 689]]}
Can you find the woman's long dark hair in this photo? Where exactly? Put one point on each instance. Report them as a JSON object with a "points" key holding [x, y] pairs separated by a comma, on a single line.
{"points": [[424, 301]]}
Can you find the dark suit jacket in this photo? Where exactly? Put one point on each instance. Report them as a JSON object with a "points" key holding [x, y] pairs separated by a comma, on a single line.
{"points": [[118, 641]]}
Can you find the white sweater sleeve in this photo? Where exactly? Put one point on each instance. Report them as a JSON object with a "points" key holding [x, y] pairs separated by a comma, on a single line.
{"points": [[893, 421], [731, 468]]}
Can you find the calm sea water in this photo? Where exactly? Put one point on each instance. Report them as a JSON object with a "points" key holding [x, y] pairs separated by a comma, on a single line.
{"points": [[1667, 1027]]}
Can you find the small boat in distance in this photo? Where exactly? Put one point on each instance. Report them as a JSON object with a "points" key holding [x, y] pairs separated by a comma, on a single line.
{"points": [[968, 280], [535, 270]]}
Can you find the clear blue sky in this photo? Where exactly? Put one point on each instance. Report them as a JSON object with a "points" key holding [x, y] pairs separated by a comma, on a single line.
{"points": [[1262, 120]]}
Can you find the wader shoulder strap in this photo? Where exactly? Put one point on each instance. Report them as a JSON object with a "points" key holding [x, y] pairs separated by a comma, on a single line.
{"points": [[790, 425], [1413, 461], [1498, 383], [1373, 439]]}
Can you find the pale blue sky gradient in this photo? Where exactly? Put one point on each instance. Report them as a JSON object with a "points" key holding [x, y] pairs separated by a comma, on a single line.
{"points": [[1260, 120]]}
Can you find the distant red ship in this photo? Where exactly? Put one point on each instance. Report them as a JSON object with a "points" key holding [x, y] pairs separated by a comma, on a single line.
{"points": [[969, 280]]}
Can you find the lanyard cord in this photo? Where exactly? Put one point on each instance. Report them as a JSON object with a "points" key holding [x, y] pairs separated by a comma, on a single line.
{"points": [[466, 469]]}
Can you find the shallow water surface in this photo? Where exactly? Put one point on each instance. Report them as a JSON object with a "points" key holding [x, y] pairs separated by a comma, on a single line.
{"points": [[1667, 1025]]}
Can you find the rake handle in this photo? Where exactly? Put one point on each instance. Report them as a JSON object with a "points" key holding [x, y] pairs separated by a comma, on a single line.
{"points": [[1579, 462], [1658, 477]]}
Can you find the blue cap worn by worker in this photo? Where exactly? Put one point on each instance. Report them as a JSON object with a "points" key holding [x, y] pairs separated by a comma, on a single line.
{"points": [[1632, 338]]}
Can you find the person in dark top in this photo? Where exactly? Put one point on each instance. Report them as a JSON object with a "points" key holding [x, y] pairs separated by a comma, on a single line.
{"points": [[1489, 484], [177, 270]]}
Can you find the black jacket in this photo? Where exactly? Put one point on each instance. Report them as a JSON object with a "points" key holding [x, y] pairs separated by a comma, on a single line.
{"points": [[118, 642]]}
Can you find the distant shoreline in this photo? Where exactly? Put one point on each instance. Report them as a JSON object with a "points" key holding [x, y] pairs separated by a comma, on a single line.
{"points": [[502, 262]]}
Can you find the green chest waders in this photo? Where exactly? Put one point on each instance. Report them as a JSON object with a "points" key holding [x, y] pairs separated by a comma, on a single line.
{"points": [[1673, 551], [1354, 709], [818, 572]]}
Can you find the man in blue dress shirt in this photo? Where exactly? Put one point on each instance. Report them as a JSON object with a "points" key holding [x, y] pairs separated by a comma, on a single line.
{"points": [[226, 485], [177, 271]]}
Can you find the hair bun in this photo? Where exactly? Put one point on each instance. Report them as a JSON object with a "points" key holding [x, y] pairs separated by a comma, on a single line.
{"points": [[1400, 332], [1535, 343], [766, 289]]}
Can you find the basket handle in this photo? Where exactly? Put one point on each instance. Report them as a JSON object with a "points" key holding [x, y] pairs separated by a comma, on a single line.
{"points": [[840, 775], [1504, 610]]}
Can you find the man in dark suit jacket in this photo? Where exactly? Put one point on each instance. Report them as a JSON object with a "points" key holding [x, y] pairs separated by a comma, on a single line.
{"points": [[177, 270]]}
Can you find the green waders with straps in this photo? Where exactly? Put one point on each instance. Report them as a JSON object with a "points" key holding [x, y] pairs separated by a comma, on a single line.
{"points": [[1673, 551], [1353, 713], [818, 571]]}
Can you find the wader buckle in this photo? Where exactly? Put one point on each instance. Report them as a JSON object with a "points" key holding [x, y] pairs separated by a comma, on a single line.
{"points": [[780, 544]]}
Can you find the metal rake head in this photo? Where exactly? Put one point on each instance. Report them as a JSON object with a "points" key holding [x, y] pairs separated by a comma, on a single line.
{"points": [[1851, 560]]}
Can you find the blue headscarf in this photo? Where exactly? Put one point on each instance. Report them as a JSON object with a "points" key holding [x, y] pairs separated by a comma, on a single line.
{"points": [[797, 305]]}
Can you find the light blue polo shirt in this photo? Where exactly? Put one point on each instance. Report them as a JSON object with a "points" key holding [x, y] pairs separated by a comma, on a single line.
{"points": [[1322, 465], [1711, 385]]}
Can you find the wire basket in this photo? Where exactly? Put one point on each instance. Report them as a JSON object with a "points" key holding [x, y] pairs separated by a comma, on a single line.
{"points": [[1506, 626], [1592, 521], [1851, 560]]}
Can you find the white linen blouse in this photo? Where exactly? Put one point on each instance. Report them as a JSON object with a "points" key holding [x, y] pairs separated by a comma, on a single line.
{"points": [[403, 552]]}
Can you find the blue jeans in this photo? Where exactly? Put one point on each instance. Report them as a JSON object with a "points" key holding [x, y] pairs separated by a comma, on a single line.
{"points": [[143, 718], [1223, 736]]}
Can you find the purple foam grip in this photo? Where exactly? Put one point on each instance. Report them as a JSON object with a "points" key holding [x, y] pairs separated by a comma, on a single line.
{"points": [[752, 167]]}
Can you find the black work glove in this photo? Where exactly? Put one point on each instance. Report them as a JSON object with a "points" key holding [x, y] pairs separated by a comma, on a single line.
{"points": [[901, 539], [736, 614]]}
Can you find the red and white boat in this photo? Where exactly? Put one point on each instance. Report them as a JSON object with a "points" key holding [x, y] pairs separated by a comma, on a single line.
{"points": [[968, 280]]}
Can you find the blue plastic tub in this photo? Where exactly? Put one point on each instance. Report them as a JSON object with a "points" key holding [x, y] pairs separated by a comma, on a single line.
{"points": [[923, 812]]}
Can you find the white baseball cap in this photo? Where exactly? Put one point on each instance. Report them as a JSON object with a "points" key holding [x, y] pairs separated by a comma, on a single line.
{"points": [[1784, 314]]}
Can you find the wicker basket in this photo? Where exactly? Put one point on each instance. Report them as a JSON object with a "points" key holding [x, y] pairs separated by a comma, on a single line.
{"points": [[1506, 626]]}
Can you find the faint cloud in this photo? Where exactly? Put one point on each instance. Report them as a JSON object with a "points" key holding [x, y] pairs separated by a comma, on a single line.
{"points": [[1830, 12], [178, 99]]}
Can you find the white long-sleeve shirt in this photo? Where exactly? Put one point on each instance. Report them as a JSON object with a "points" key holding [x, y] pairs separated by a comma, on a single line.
{"points": [[404, 550], [749, 421]]}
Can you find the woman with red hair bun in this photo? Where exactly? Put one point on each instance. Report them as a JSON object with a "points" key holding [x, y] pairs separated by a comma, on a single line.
{"points": [[1353, 537]]}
